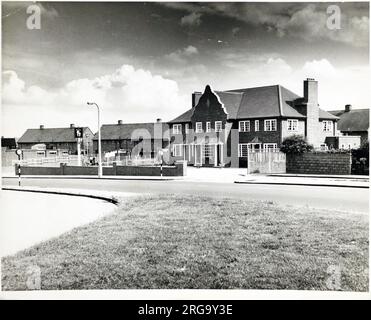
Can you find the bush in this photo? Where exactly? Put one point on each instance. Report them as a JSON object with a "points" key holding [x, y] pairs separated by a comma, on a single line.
{"points": [[295, 144]]}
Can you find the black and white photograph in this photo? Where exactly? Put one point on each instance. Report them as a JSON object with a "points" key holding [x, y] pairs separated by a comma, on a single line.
{"points": [[188, 150]]}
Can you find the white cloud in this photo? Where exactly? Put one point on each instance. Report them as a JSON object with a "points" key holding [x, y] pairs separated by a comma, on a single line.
{"points": [[128, 93], [191, 20], [181, 56]]}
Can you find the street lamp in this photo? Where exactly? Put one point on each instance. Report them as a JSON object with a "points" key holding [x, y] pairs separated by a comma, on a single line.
{"points": [[100, 170]]}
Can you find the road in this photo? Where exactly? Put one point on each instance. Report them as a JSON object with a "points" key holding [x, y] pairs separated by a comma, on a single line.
{"points": [[344, 199]]}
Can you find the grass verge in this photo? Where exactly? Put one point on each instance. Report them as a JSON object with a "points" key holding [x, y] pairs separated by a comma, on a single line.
{"points": [[198, 242]]}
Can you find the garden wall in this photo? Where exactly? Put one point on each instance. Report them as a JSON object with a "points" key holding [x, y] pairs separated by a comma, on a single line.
{"points": [[319, 163], [179, 169]]}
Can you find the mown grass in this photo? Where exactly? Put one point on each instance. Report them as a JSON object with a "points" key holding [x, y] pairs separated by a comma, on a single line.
{"points": [[198, 242]]}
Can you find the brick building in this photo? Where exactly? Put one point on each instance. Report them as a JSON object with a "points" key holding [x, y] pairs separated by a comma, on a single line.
{"points": [[57, 139], [221, 126], [133, 139], [353, 122]]}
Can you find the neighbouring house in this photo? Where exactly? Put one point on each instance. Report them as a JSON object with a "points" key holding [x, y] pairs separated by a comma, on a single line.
{"points": [[353, 122], [56, 139], [8, 143], [133, 140], [221, 126]]}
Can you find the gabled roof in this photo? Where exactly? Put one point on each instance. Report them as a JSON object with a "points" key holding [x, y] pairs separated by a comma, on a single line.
{"points": [[354, 120], [49, 135], [124, 131], [8, 143], [259, 102]]}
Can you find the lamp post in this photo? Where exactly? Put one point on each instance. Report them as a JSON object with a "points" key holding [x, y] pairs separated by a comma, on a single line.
{"points": [[100, 170]]}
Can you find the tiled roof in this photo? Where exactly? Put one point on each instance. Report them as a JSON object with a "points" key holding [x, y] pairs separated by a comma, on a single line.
{"points": [[259, 102], [354, 120], [124, 131], [49, 135]]}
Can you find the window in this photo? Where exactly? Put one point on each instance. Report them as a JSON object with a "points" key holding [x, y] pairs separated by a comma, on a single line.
{"points": [[270, 125], [244, 126], [187, 128], [256, 125], [208, 126], [242, 150], [198, 127], [218, 126], [52, 152], [270, 146], [177, 150], [292, 125], [327, 126], [177, 128]]}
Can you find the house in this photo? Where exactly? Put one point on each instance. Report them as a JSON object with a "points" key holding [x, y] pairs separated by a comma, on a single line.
{"points": [[221, 126], [56, 139], [8, 143], [353, 122], [142, 140]]}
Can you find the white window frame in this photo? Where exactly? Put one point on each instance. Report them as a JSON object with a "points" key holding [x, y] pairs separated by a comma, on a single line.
{"points": [[208, 126], [267, 146], [327, 126], [243, 149], [53, 152], [257, 125], [199, 127], [186, 126], [218, 126], [244, 126], [177, 150], [177, 128], [292, 125], [270, 125]]}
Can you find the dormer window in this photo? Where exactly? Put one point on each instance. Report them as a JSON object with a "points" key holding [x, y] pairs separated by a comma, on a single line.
{"points": [[177, 128]]}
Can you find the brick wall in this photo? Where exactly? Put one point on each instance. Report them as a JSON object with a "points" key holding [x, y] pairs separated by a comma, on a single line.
{"points": [[179, 169], [319, 163]]}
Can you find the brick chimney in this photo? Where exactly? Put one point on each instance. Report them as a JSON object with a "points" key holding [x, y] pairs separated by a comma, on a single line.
{"points": [[311, 102], [72, 126], [119, 122], [41, 126], [348, 107], [158, 120]]}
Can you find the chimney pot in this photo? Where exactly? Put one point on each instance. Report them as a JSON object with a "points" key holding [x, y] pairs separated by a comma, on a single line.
{"points": [[348, 107], [72, 125], [41, 126], [158, 120], [119, 122]]}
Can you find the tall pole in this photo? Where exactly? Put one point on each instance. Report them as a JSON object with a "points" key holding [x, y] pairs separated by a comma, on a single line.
{"points": [[100, 169]]}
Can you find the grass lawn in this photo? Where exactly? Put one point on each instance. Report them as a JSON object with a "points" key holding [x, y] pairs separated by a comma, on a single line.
{"points": [[198, 242]]}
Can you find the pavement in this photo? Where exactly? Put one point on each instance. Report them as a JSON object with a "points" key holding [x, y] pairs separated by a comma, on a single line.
{"points": [[29, 218], [234, 175]]}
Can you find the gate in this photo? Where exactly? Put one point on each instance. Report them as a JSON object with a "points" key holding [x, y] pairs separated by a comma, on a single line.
{"points": [[266, 161]]}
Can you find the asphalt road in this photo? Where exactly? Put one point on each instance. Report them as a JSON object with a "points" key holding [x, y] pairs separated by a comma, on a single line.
{"points": [[344, 199]]}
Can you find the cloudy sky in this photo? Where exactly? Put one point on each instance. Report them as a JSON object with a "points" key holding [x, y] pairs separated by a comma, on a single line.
{"points": [[142, 61]]}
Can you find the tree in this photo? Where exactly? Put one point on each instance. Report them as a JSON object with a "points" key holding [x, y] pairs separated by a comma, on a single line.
{"points": [[295, 144]]}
